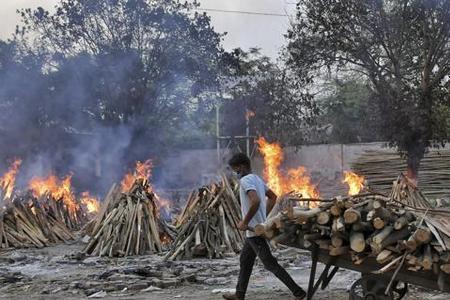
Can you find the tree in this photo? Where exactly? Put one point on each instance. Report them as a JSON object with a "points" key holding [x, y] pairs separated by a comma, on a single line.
{"points": [[112, 81], [260, 89], [348, 113], [401, 46], [138, 62], [21, 116]]}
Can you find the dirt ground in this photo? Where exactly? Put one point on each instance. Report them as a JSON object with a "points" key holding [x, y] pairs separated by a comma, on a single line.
{"points": [[58, 272]]}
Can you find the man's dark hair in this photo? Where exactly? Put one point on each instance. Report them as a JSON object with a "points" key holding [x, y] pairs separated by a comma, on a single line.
{"points": [[240, 159]]}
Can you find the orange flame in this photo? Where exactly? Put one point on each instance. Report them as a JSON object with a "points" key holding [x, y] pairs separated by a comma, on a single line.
{"points": [[57, 189], [91, 203], [294, 180], [8, 181], [299, 182], [354, 181], [273, 157], [142, 171]]}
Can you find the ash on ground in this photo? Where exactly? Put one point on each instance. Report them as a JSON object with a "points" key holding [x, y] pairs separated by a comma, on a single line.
{"points": [[61, 272]]}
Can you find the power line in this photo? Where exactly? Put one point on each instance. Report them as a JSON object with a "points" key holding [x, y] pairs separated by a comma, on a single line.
{"points": [[242, 12]]}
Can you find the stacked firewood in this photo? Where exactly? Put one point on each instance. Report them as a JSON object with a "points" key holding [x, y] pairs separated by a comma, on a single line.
{"points": [[399, 230], [26, 221], [381, 167], [127, 224], [67, 211], [208, 223]]}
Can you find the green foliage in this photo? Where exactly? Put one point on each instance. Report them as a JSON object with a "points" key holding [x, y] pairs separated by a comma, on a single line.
{"points": [[281, 108], [400, 46], [105, 82], [350, 113], [143, 64]]}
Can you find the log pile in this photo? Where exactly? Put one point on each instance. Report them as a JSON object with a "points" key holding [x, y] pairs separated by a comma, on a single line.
{"points": [[27, 221], [208, 223], [66, 210], [127, 224], [400, 230], [381, 167]]}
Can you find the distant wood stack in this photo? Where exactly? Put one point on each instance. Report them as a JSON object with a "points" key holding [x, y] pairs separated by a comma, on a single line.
{"points": [[27, 221], [127, 224], [381, 168], [208, 223]]}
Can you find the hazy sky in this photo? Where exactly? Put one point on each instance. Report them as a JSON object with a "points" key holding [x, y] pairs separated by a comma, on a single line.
{"points": [[265, 32]]}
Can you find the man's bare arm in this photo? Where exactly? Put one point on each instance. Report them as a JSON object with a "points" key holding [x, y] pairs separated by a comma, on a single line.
{"points": [[271, 201], [254, 205]]}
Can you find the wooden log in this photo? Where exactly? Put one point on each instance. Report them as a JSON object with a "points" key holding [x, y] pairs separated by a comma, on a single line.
{"points": [[357, 242], [303, 216], [427, 259], [412, 259], [404, 220], [323, 218], [378, 223], [384, 256], [338, 251], [262, 229], [283, 238], [352, 216], [422, 235], [378, 238], [337, 240], [376, 204], [338, 225], [445, 268], [400, 223], [393, 238], [335, 211]]}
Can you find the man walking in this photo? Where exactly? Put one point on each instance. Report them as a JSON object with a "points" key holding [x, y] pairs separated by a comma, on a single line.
{"points": [[255, 208]]}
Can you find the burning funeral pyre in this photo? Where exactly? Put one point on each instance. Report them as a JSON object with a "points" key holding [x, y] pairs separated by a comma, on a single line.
{"points": [[59, 195], [207, 226], [293, 180], [48, 212], [401, 230], [128, 222]]}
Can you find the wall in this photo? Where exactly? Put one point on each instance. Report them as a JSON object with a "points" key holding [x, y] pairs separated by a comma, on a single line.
{"points": [[325, 162]]}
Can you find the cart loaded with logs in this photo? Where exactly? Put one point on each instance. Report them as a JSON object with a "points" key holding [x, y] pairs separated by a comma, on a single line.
{"points": [[392, 240]]}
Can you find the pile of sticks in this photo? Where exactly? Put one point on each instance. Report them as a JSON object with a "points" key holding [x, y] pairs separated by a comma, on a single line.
{"points": [[400, 230], [381, 168], [26, 221], [208, 223], [69, 212], [127, 224]]}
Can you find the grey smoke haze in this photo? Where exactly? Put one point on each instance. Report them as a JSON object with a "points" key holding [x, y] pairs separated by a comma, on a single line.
{"points": [[245, 31], [57, 122], [97, 156]]}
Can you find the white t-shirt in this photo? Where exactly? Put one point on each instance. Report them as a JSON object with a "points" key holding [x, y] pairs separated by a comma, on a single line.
{"points": [[252, 182]]}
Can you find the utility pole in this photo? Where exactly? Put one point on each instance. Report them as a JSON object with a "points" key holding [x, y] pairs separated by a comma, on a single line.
{"points": [[230, 139]]}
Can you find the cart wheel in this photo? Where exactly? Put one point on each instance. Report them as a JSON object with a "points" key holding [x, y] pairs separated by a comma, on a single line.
{"points": [[371, 287], [400, 289]]}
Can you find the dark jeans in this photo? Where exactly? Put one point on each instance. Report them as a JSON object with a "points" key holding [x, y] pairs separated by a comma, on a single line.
{"points": [[257, 246]]}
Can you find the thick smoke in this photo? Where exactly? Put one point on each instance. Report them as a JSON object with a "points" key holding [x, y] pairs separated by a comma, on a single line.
{"points": [[54, 128], [90, 102]]}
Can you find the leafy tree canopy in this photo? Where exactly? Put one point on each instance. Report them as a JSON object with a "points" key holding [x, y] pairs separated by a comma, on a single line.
{"points": [[401, 46]]}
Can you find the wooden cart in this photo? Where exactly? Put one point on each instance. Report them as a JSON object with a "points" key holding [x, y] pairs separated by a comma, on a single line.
{"points": [[371, 286]]}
